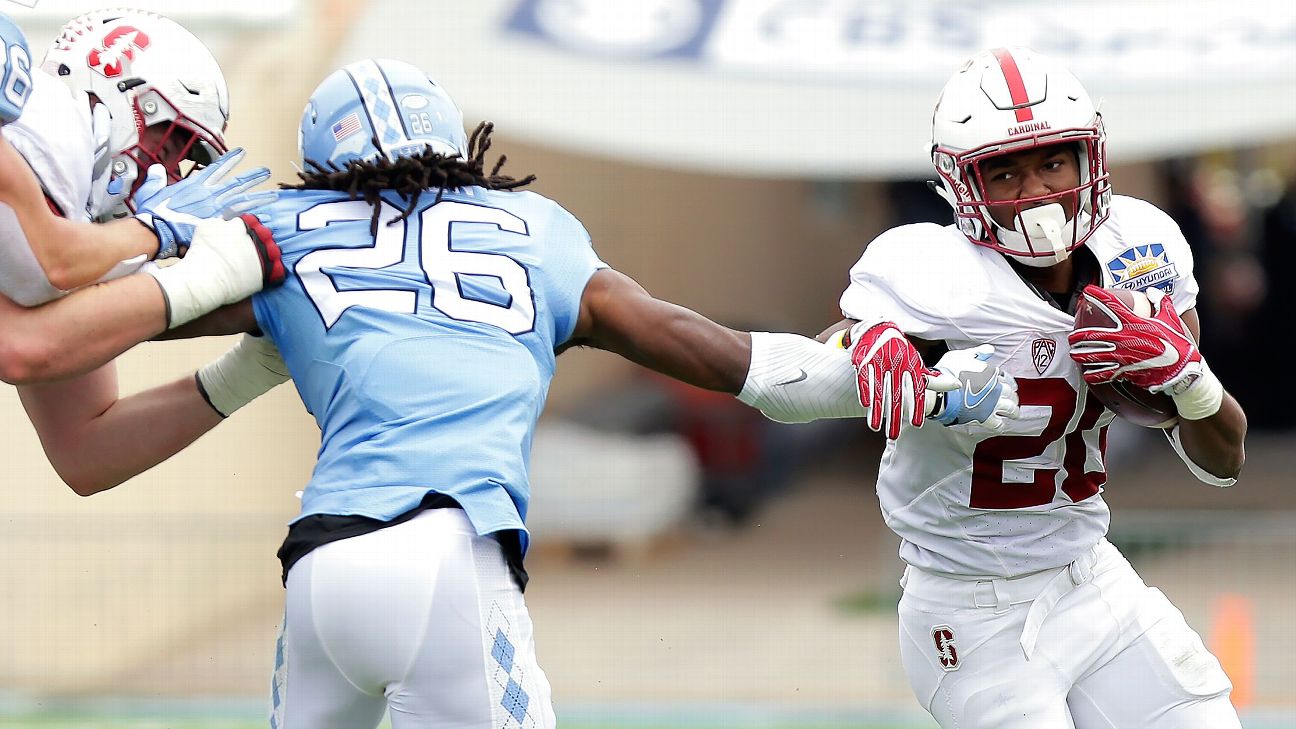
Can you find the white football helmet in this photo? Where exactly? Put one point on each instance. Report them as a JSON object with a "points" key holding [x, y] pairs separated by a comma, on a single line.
{"points": [[162, 91], [1003, 101]]}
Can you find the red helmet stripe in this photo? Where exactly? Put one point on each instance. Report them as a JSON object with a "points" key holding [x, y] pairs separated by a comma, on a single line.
{"points": [[1016, 87]]}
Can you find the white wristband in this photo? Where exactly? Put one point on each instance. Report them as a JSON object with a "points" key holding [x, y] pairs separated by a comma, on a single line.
{"points": [[221, 267], [793, 379], [247, 371], [1201, 396]]}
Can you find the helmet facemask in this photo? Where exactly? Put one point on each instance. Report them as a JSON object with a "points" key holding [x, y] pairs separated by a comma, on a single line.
{"points": [[1008, 101], [167, 137], [1045, 228]]}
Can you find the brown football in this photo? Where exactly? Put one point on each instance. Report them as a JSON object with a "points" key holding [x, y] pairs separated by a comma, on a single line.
{"points": [[1138, 406]]}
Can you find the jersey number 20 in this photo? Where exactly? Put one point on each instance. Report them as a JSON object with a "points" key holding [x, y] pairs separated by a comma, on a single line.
{"points": [[442, 265], [990, 491]]}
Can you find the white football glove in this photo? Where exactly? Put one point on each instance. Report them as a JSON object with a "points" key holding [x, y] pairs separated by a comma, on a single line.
{"points": [[986, 395], [229, 261]]}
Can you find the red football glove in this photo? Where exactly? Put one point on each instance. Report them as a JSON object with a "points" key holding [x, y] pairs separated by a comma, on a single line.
{"points": [[892, 379], [272, 267], [1153, 353]]}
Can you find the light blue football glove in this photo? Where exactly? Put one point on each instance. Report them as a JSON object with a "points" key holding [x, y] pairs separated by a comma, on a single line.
{"points": [[172, 211], [988, 395]]}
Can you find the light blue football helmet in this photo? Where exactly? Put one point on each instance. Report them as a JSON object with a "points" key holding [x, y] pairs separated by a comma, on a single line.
{"points": [[390, 102]]}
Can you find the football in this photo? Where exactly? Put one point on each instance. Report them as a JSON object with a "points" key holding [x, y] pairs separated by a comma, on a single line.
{"points": [[1138, 406]]}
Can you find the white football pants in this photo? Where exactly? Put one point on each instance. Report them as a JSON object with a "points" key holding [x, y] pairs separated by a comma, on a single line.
{"points": [[421, 618], [1087, 646]]}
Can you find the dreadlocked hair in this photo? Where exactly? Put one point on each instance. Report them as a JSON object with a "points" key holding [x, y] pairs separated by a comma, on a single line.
{"points": [[409, 176]]}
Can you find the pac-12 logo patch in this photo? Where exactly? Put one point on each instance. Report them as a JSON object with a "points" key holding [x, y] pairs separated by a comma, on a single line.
{"points": [[1142, 267], [1042, 351], [946, 652]]}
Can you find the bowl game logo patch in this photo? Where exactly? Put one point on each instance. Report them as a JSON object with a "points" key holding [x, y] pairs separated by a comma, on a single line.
{"points": [[946, 653], [1143, 267]]}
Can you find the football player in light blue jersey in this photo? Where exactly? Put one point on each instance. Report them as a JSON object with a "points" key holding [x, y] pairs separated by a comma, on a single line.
{"points": [[426, 303], [16, 81]]}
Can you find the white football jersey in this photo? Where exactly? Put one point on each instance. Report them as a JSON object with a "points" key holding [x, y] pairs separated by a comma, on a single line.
{"points": [[67, 148], [55, 136], [968, 503]]}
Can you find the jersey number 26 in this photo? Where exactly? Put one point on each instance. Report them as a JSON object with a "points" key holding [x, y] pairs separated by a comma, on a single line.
{"points": [[442, 265]]}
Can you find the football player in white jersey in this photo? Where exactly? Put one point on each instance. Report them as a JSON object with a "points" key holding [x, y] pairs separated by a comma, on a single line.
{"points": [[121, 102], [1017, 612]]}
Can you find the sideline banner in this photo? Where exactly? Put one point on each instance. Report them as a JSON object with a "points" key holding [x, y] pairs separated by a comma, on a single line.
{"points": [[837, 87]]}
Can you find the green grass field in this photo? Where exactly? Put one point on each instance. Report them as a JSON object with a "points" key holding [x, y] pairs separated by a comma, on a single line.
{"points": [[196, 715], [74, 723], [140, 713], [87, 722], [591, 720]]}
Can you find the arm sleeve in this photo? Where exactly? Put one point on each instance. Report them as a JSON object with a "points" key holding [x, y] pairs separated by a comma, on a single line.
{"points": [[793, 379]]}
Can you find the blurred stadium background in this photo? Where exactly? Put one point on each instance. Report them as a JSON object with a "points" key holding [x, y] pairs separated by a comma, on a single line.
{"points": [[695, 566]]}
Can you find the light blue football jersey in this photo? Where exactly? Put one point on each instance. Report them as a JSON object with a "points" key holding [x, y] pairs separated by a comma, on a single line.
{"points": [[425, 352], [16, 80]]}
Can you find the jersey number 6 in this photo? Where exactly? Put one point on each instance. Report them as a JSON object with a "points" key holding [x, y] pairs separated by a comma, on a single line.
{"points": [[17, 76], [442, 265], [989, 491]]}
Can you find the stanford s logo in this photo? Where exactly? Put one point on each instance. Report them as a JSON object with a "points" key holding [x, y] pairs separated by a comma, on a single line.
{"points": [[118, 46], [1042, 351], [946, 653]]}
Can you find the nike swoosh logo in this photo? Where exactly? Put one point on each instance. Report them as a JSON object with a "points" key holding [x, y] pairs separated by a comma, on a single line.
{"points": [[794, 380], [1168, 356], [972, 400]]}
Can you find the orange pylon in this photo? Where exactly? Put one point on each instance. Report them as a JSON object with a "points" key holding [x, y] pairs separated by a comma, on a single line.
{"points": [[1233, 642]]}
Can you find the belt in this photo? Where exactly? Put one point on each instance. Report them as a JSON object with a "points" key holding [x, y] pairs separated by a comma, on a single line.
{"points": [[1041, 589]]}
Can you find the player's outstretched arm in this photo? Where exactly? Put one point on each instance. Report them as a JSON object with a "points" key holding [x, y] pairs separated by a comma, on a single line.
{"points": [[78, 333], [71, 254], [96, 440], [788, 377], [228, 262], [618, 315]]}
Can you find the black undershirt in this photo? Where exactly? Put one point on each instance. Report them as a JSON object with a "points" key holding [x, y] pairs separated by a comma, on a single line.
{"points": [[1083, 273], [319, 529]]}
